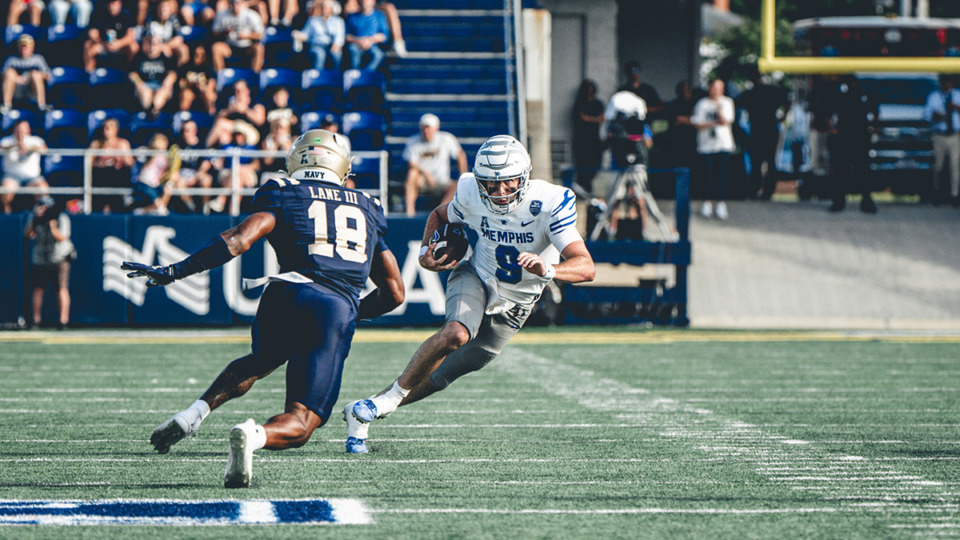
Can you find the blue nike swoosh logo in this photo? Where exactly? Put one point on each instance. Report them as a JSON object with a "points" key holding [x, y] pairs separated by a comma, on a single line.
{"points": [[522, 224]]}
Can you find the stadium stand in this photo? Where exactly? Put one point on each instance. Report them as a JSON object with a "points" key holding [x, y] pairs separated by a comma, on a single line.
{"points": [[142, 127], [322, 89], [66, 128], [32, 117], [63, 170], [96, 118], [68, 86], [109, 88], [64, 45], [365, 129]]}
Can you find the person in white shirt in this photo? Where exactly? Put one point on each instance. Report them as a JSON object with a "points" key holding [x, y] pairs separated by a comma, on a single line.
{"points": [[942, 111], [238, 30], [21, 162], [524, 228], [713, 117], [428, 156]]}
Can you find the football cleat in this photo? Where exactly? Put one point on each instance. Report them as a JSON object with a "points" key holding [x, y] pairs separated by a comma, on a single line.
{"points": [[356, 446], [365, 411], [357, 426], [239, 470], [174, 430]]}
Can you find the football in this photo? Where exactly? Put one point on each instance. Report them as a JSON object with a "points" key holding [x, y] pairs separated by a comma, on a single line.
{"points": [[451, 241]]}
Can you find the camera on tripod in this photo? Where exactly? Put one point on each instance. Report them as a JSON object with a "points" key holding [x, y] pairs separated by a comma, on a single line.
{"points": [[626, 128]]}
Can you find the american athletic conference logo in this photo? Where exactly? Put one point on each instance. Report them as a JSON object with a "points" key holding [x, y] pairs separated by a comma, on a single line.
{"points": [[535, 207]]}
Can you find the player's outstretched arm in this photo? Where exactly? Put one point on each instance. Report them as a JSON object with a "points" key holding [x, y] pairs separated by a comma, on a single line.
{"points": [[385, 274], [218, 252]]}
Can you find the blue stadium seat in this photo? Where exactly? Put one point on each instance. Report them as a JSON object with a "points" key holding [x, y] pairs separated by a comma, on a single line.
{"points": [[272, 78], [11, 33], [311, 120], [95, 118], [363, 90], [142, 128], [229, 76], [65, 45], [203, 120], [67, 87], [16, 115], [63, 170], [193, 35], [277, 45], [322, 89], [66, 128], [365, 129], [366, 172], [109, 88]]}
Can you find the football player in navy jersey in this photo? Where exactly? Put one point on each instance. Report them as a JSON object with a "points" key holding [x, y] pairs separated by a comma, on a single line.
{"points": [[524, 228], [328, 240]]}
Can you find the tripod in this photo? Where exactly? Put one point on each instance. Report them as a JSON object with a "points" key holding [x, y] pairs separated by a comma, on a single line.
{"points": [[634, 176]]}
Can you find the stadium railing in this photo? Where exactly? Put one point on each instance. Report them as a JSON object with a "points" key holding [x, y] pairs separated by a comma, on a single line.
{"points": [[86, 191]]}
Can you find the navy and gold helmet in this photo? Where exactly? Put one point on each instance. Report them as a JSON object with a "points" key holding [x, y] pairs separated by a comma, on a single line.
{"points": [[320, 149]]}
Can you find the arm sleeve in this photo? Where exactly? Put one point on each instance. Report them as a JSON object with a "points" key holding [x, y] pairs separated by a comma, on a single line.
{"points": [[562, 228], [456, 210]]}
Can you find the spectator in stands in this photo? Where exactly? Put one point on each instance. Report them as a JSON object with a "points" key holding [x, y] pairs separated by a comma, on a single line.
{"points": [[366, 30], [198, 82], [50, 258], [197, 12], [243, 137], [324, 32], [239, 108], [636, 85], [111, 38], [238, 31], [80, 9], [21, 162], [279, 139], [110, 171], [33, 9], [681, 136], [713, 117], [164, 23], [154, 75], [428, 156], [765, 104], [942, 111], [194, 170], [274, 15], [24, 74], [587, 146], [151, 191], [393, 22], [279, 109]]}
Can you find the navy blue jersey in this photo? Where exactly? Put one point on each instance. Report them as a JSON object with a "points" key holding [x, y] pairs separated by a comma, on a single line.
{"points": [[325, 232]]}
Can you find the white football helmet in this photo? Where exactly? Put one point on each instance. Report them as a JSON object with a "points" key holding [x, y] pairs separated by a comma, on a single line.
{"points": [[501, 159], [320, 149]]}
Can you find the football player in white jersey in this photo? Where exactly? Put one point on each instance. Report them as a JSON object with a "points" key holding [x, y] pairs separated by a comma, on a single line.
{"points": [[524, 228]]}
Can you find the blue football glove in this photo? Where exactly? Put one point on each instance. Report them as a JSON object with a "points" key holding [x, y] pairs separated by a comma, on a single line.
{"points": [[158, 276]]}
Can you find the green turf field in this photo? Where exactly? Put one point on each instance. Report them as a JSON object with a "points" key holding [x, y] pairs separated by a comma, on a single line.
{"points": [[569, 434]]}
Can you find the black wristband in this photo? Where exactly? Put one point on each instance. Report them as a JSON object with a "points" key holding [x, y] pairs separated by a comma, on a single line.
{"points": [[370, 307]]}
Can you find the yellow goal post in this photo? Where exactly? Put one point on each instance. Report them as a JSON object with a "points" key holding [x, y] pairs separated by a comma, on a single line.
{"points": [[769, 61]]}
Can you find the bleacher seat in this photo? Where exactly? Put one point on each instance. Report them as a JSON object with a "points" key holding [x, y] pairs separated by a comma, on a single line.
{"points": [[67, 87], [63, 171], [64, 45], [95, 118], [12, 32], [66, 128], [311, 119], [229, 76], [277, 45], [363, 90], [193, 35], [109, 88], [366, 172], [142, 128], [365, 129], [16, 115], [322, 89], [271, 78], [203, 120]]}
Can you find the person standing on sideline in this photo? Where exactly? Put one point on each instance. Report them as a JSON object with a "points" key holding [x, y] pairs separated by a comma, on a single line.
{"points": [[50, 258], [525, 227], [587, 146], [850, 146], [328, 241], [942, 111], [763, 103], [713, 117]]}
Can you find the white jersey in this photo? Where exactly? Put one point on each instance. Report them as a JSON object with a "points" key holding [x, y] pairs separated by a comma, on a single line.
{"points": [[545, 223]]}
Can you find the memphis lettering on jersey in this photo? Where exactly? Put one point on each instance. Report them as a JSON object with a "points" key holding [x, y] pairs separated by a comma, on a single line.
{"points": [[328, 194], [507, 237]]}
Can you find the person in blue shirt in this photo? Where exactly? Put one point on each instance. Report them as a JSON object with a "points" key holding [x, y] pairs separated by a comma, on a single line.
{"points": [[942, 112], [366, 30], [328, 239], [325, 34]]}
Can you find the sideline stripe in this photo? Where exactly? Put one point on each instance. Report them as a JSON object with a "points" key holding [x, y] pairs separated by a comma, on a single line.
{"points": [[184, 512], [527, 337]]}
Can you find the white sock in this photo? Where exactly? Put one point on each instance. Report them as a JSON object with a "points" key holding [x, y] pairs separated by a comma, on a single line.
{"points": [[388, 402], [201, 409], [259, 439]]}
